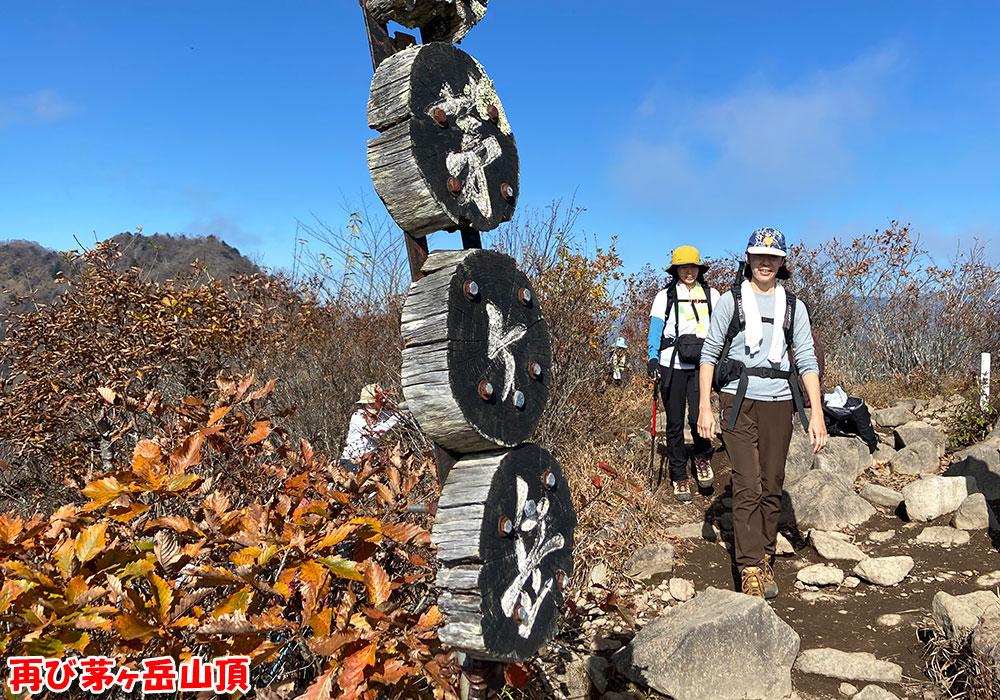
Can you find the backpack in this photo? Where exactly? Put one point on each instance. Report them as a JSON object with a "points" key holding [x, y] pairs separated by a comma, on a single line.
{"points": [[687, 347], [727, 369]]}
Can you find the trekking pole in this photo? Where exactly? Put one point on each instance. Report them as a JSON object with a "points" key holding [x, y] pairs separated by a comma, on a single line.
{"points": [[652, 441]]}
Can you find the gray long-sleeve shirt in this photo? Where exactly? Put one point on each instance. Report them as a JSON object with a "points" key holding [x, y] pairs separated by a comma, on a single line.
{"points": [[761, 388]]}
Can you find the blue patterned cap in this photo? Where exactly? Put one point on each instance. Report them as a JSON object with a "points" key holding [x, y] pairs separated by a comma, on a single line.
{"points": [[767, 241]]}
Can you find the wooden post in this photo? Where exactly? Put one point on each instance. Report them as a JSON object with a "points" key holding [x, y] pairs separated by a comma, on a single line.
{"points": [[984, 381], [438, 20], [446, 158], [476, 352], [504, 532]]}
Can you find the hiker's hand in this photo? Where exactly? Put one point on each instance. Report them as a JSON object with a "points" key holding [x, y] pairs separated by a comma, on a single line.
{"points": [[653, 369], [818, 436], [706, 422]]}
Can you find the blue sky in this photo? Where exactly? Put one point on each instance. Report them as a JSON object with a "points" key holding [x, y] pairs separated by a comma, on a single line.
{"points": [[692, 123]]}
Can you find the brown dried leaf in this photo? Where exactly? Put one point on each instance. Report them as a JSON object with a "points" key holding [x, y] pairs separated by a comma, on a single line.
{"points": [[167, 551]]}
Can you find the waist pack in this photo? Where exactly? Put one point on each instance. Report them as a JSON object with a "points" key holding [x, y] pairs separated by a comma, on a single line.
{"points": [[688, 348]]}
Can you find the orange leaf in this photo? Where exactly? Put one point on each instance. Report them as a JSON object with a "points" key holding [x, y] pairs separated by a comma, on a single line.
{"points": [[307, 451], [102, 492], [406, 532], [131, 627], [12, 588], [330, 645], [90, 542], [596, 480], [336, 536], [177, 523], [189, 453], [245, 384], [163, 596], [320, 689], [218, 414], [262, 392], [147, 462], [10, 527], [261, 429], [239, 600], [429, 620], [376, 584], [371, 530], [353, 671]]}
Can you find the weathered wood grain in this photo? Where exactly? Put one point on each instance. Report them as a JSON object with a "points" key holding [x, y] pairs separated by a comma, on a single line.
{"points": [[454, 340], [437, 20], [504, 535], [415, 157]]}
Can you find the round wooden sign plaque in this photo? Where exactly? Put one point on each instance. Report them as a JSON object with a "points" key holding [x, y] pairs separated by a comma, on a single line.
{"points": [[476, 352], [504, 529], [446, 157]]}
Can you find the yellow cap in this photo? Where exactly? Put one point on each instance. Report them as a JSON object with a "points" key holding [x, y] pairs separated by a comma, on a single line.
{"points": [[685, 255], [367, 395]]}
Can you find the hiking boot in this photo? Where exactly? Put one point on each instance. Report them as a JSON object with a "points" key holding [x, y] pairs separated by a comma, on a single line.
{"points": [[770, 585], [703, 471], [682, 490], [753, 581]]}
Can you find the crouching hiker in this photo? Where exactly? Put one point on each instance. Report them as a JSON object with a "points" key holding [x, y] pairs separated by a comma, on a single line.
{"points": [[368, 424], [678, 323], [757, 343]]}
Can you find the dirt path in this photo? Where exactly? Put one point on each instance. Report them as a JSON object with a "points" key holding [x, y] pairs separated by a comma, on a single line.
{"points": [[840, 617]]}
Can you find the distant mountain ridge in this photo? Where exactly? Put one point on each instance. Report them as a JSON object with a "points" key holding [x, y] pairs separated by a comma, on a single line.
{"points": [[26, 266]]}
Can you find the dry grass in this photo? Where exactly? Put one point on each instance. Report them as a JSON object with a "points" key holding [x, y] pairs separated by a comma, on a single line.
{"points": [[959, 672]]}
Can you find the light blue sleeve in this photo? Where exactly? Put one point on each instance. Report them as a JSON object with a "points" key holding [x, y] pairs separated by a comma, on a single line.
{"points": [[655, 336], [805, 353]]}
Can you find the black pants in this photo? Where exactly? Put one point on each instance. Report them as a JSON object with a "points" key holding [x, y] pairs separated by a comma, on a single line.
{"points": [[683, 389]]}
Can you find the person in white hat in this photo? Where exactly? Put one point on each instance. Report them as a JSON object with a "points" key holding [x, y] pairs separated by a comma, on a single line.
{"points": [[368, 424], [620, 362]]}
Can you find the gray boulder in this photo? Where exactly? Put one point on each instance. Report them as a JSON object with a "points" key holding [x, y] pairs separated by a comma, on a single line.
{"points": [[910, 403], [958, 615], [824, 501], [995, 433], [879, 495], [975, 514], [848, 666], [883, 453], [919, 458], [651, 564], [982, 462], [831, 546], [946, 536], [820, 575], [875, 692], [681, 589], [934, 496], [917, 431], [800, 457], [680, 653], [990, 580], [892, 417], [986, 638], [783, 547], [846, 457], [694, 531], [884, 571]]}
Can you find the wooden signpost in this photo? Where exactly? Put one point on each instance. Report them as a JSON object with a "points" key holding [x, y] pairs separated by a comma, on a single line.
{"points": [[476, 358]]}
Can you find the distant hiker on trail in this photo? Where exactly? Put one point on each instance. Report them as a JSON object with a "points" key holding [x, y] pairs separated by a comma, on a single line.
{"points": [[678, 323], [747, 355], [620, 362], [368, 423]]}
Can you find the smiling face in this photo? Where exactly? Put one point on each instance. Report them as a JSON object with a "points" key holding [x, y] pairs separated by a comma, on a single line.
{"points": [[688, 274], [765, 268]]}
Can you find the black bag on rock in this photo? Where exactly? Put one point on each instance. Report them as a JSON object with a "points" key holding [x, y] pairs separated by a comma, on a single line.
{"points": [[851, 419]]}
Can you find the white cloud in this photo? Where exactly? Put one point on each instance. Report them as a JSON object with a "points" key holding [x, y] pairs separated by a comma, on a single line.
{"points": [[40, 106], [760, 147], [210, 221]]}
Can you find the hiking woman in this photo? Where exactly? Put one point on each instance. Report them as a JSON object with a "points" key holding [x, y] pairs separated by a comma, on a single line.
{"points": [[678, 323], [759, 391]]}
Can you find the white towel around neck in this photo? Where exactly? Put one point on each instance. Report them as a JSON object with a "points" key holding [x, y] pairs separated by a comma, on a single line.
{"points": [[754, 328]]}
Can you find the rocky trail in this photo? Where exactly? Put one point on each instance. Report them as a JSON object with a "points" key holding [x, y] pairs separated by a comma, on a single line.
{"points": [[873, 550]]}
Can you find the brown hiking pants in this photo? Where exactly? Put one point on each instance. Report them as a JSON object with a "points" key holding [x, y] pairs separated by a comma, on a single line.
{"points": [[757, 447]]}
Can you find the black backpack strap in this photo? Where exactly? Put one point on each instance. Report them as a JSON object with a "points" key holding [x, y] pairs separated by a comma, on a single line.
{"points": [[793, 381]]}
